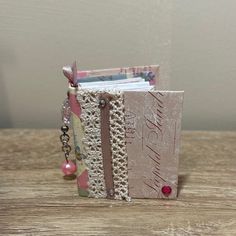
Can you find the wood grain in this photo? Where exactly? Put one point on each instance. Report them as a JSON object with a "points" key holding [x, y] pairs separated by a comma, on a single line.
{"points": [[36, 200]]}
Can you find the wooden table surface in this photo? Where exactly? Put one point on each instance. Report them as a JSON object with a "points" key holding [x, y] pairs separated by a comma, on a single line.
{"points": [[36, 200]]}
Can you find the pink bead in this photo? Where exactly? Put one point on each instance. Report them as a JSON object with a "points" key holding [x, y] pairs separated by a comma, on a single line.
{"points": [[166, 190], [68, 168]]}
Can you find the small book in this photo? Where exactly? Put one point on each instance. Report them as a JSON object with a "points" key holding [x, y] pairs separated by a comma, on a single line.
{"points": [[126, 132]]}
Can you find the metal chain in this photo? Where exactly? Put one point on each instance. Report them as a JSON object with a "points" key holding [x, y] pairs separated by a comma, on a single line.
{"points": [[64, 137]]}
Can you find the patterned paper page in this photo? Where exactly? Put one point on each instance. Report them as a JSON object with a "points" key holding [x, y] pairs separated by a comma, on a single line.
{"points": [[153, 124]]}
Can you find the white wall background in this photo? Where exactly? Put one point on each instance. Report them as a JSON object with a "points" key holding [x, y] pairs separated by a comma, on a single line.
{"points": [[194, 41], [203, 62]]}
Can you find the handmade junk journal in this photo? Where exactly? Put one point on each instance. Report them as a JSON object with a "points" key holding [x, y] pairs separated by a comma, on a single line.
{"points": [[126, 132]]}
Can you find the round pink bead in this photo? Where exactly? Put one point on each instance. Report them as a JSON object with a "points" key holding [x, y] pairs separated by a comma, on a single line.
{"points": [[166, 190], [68, 168]]}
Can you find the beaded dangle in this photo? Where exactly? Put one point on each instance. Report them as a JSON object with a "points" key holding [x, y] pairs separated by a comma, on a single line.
{"points": [[68, 167]]}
